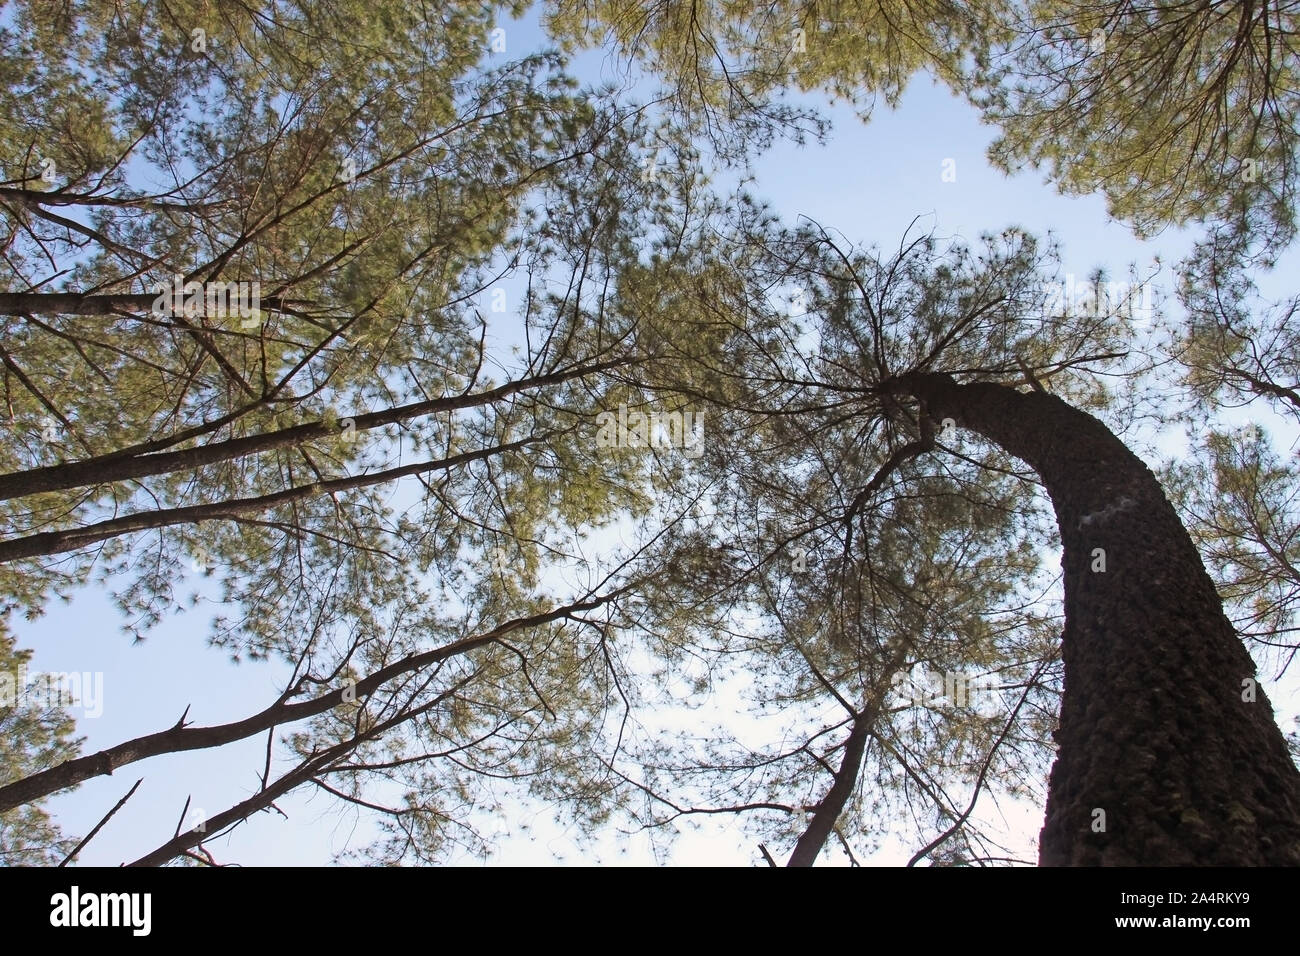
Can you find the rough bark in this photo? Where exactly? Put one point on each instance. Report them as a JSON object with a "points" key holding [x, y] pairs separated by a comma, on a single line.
{"points": [[1162, 727]]}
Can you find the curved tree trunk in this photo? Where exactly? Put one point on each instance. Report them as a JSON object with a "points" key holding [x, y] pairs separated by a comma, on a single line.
{"points": [[1168, 751]]}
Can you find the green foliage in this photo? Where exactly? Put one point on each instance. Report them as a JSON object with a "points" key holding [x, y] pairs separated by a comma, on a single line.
{"points": [[354, 159], [35, 734], [570, 602], [1234, 346], [726, 65], [726, 55], [1242, 506], [1179, 113]]}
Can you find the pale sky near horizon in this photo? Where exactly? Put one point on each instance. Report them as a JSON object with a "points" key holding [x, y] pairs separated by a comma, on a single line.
{"points": [[868, 182]]}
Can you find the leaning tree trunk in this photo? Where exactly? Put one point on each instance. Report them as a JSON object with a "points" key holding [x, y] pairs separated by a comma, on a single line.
{"points": [[827, 813], [1168, 750], [829, 810]]}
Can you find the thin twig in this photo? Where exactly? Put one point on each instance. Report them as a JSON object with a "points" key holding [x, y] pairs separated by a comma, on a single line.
{"points": [[100, 825]]}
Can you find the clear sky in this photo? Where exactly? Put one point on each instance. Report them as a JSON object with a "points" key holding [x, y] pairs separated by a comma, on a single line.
{"points": [[869, 182]]}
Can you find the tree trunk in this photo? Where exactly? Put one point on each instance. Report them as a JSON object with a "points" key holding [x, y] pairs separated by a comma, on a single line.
{"points": [[1168, 750], [828, 811]]}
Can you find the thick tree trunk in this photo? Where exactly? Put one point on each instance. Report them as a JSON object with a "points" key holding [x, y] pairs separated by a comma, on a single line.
{"points": [[1168, 751]]}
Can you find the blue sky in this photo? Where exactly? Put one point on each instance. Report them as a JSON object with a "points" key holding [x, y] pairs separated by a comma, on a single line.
{"points": [[869, 182]]}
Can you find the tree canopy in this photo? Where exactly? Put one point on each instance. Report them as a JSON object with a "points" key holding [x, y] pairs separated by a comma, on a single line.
{"points": [[549, 468]]}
